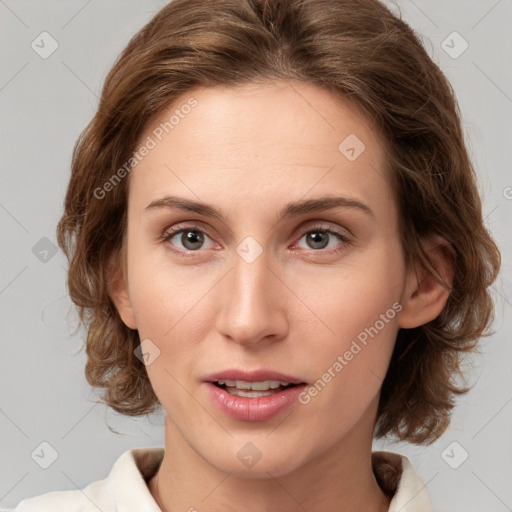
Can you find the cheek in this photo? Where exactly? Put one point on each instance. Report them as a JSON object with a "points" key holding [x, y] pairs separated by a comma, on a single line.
{"points": [[345, 299], [354, 321], [164, 293], [172, 307]]}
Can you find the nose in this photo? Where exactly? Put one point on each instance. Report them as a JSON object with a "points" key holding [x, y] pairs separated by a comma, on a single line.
{"points": [[253, 300]]}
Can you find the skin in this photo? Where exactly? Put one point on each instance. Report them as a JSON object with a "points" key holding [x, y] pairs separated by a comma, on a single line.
{"points": [[249, 151]]}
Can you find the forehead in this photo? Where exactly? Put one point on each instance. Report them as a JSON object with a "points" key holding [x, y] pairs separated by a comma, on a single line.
{"points": [[271, 138]]}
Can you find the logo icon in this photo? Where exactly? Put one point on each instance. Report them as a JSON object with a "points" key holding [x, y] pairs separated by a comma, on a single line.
{"points": [[44, 45], [249, 455], [147, 352], [454, 45], [351, 147], [249, 249], [44, 455], [454, 455], [44, 250]]}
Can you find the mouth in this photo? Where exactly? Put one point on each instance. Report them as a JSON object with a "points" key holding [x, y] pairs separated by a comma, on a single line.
{"points": [[253, 389], [254, 396], [254, 383]]}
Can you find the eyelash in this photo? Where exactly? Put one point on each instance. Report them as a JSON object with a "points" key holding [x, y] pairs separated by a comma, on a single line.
{"points": [[172, 232]]}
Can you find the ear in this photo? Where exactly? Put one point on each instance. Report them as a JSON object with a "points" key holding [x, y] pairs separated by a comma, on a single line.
{"points": [[424, 297], [118, 288]]}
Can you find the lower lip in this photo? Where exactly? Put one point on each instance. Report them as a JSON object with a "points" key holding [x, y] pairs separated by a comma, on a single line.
{"points": [[254, 409]]}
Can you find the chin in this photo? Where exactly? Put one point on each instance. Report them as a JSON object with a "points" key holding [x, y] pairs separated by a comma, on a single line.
{"points": [[246, 460]]}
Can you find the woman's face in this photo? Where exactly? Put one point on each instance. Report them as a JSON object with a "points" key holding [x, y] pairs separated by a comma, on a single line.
{"points": [[258, 274]]}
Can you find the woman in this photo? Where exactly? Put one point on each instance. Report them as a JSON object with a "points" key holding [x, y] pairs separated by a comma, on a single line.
{"points": [[274, 233]]}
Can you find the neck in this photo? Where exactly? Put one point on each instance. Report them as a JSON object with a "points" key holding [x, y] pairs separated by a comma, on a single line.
{"points": [[340, 478]]}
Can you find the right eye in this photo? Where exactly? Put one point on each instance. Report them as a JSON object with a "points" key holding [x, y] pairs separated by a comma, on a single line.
{"points": [[191, 238]]}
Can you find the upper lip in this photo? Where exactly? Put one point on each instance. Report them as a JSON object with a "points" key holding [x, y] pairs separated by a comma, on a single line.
{"points": [[252, 376]]}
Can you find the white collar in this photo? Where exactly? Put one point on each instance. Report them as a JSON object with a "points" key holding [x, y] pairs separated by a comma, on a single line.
{"points": [[393, 471]]}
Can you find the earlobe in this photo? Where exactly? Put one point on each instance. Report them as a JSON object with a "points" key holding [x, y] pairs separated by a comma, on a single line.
{"points": [[118, 290], [424, 296]]}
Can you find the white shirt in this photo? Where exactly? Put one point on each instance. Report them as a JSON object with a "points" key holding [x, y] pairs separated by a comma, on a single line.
{"points": [[125, 488]]}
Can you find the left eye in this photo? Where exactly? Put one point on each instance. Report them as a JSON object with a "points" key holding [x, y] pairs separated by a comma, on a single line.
{"points": [[318, 238]]}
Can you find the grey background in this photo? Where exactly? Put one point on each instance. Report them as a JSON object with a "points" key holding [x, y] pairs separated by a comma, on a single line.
{"points": [[46, 103]]}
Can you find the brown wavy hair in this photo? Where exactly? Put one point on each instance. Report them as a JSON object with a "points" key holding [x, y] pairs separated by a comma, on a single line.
{"points": [[359, 51]]}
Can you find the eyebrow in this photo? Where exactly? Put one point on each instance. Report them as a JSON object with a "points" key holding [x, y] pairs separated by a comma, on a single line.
{"points": [[292, 209]]}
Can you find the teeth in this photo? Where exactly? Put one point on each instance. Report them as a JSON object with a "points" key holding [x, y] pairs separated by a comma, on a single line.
{"points": [[248, 394], [253, 386]]}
